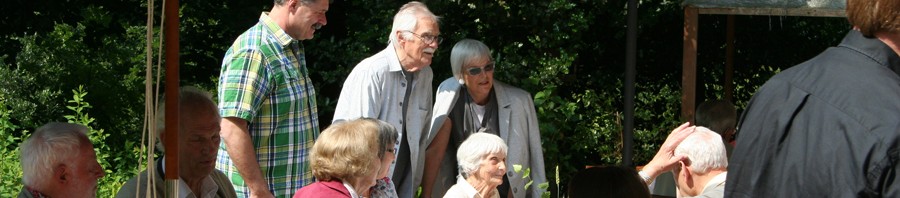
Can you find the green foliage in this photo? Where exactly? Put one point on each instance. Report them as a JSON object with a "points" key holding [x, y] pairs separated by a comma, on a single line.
{"points": [[569, 54], [110, 159]]}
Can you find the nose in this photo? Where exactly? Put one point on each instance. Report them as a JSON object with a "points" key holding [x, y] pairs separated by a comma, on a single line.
{"points": [[99, 171], [503, 167], [324, 20]]}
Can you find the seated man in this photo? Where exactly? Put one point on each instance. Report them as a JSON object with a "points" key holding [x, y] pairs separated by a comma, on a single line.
{"points": [[198, 144], [703, 173], [58, 160]]}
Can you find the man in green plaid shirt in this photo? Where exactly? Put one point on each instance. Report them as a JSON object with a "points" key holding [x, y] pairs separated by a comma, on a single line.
{"points": [[267, 102]]}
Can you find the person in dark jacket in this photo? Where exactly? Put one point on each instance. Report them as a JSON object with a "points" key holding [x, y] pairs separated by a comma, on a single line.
{"points": [[828, 127]]}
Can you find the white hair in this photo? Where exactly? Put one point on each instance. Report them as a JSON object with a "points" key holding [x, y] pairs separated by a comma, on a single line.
{"points": [[407, 18], [705, 150], [189, 98], [476, 147], [464, 52], [49, 146]]}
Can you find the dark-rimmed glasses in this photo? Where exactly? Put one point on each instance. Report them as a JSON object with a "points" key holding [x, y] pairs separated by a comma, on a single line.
{"points": [[427, 39], [474, 71]]}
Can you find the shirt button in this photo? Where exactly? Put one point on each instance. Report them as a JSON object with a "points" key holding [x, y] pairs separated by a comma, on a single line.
{"points": [[401, 103], [510, 173], [401, 121], [515, 190], [403, 84]]}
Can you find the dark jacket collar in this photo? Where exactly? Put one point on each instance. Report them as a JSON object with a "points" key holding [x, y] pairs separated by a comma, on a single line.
{"points": [[873, 48]]}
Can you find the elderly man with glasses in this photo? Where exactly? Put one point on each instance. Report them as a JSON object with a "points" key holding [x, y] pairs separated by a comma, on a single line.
{"points": [[472, 102], [394, 86]]}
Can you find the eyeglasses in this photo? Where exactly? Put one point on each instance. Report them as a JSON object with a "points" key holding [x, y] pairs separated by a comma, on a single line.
{"points": [[427, 39], [474, 71]]}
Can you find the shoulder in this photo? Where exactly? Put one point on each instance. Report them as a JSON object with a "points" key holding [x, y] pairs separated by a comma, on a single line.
{"points": [[323, 189], [134, 185]]}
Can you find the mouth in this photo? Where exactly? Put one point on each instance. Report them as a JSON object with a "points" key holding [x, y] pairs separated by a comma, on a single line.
{"points": [[317, 26], [428, 51]]}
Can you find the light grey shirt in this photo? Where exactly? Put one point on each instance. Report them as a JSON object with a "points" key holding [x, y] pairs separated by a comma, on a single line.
{"points": [[375, 89]]}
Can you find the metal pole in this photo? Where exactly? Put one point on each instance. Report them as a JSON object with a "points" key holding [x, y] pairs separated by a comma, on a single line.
{"points": [[172, 87], [630, 61]]}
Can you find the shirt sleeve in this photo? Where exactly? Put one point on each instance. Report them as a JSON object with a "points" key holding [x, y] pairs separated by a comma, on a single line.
{"points": [[360, 95], [243, 84]]}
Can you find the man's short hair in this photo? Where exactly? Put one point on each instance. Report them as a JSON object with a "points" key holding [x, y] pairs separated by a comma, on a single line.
{"points": [[345, 150], [190, 99], [704, 150], [408, 17], [872, 16], [49, 147], [716, 115], [476, 147]]}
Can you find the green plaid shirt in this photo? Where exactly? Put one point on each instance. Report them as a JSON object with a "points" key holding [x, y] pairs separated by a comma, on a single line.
{"points": [[264, 80]]}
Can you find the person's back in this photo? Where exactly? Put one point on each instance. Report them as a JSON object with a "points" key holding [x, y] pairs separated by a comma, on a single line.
{"points": [[827, 127], [607, 181]]}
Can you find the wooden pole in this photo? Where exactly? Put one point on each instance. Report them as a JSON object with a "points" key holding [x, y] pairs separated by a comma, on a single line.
{"points": [[729, 59], [689, 67], [172, 104], [630, 62]]}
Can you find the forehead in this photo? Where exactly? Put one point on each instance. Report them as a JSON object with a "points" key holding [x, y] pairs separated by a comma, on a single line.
{"points": [[477, 61], [426, 24], [320, 5]]}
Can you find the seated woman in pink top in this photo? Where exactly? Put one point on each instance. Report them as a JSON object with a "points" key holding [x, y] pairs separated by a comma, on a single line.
{"points": [[345, 160]]}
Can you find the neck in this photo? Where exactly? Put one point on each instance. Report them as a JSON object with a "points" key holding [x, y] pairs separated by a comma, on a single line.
{"points": [[484, 188], [405, 61], [358, 186], [702, 181], [891, 39], [279, 14], [195, 184]]}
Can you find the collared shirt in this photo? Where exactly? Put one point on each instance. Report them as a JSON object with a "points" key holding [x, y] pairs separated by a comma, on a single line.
{"points": [[264, 80], [375, 89], [715, 187], [208, 186], [462, 189], [824, 128]]}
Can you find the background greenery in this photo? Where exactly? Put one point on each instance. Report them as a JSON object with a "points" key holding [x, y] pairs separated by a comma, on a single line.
{"points": [[83, 61]]}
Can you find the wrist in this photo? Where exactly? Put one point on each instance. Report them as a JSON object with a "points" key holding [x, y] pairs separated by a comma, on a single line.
{"points": [[646, 177]]}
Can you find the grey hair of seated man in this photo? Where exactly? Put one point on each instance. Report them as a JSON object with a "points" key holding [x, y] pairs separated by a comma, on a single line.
{"points": [[191, 100], [44, 149], [705, 151], [407, 18], [476, 147]]}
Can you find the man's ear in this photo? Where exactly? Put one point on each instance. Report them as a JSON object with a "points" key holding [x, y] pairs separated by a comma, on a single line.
{"points": [[62, 174]]}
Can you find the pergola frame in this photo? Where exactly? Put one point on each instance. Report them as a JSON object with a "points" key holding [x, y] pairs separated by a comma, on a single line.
{"points": [[692, 14]]}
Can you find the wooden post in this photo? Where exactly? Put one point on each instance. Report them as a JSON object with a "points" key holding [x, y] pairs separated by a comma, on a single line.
{"points": [[689, 67], [172, 104], [729, 60]]}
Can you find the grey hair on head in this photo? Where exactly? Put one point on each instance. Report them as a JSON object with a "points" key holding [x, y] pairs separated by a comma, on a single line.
{"points": [[407, 18], [465, 52], [49, 146], [191, 99], [476, 147]]}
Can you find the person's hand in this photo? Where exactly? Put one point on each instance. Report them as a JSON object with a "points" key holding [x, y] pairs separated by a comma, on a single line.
{"points": [[665, 159], [261, 194]]}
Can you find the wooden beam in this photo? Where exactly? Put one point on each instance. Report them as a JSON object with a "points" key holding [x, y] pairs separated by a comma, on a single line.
{"points": [[813, 12], [689, 67]]}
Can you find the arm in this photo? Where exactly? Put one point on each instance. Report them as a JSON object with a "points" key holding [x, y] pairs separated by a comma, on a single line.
{"points": [[236, 135], [665, 159], [434, 154], [536, 151]]}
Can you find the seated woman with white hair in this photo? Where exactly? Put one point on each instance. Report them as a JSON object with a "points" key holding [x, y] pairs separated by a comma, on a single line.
{"points": [[482, 164]]}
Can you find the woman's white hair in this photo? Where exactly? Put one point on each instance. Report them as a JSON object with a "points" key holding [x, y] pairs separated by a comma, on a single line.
{"points": [[464, 52], [407, 18], [49, 146], [475, 148], [705, 150]]}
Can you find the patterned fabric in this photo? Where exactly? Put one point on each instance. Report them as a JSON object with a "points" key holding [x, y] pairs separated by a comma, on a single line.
{"points": [[264, 80], [383, 188]]}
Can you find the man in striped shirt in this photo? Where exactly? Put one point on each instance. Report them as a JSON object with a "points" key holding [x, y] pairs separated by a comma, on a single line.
{"points": [[267, 102]]}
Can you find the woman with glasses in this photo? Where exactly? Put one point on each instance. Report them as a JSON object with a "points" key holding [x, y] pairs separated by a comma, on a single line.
{"points": [[470, 102]]}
